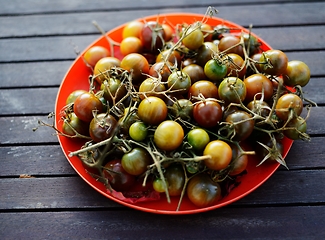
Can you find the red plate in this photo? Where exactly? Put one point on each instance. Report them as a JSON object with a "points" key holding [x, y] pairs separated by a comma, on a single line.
{"points": [[77, 78]]}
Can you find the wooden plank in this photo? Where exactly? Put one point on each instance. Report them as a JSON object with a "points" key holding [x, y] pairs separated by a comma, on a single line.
{"points": [[284, 187], [80, 23], [34, 161], [230, 223], [29, 49], [51, 73]]}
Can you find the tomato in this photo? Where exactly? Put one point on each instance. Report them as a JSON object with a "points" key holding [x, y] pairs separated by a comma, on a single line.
{"points": [[259, 107], [297, 73], [215, 70], [207, 31], [230, 44], [288, 104], [72, 96], [117, 177], [94, 54], [130, 45], [175, 179], [205, 53], [172, 56], [251, 44], [85, 104], [169, 135], [132, 29], [160, 69], [207, 113], [194, 37], [295, 128], [255, 85], [152, 36], [137, 65], [73, 124], [102, 127], [239, 161], [182, 108], [136, 161], [151, 87], [138, 131], [220, 155], [103, 65], [158, 185], [232, 90], [274, 62], [243, 124], [236, 65], [168, 30], [113, 90], [203, 87], [198, 138], [179, 81], [152, 110], [195, 71], [202, 191]]}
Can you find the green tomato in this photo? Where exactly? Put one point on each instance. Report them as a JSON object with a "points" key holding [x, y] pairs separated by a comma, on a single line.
{"points": [[138, 131], [198, 138], [215, 71]]}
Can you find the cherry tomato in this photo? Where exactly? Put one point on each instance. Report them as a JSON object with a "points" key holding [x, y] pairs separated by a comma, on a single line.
{"points": [[172, 56], [175, 179], [195, 71], [85, 104], [295, 128], [118, 178], [259, 107], [136, 161], [198, 138], [243, 124], [113, 90], [205, 53], [132, 29], [215, 70], [152, 110], [137, 65], [72, 123], [152, 36], [72, 96], [251, 44], [220, 155], [160, 69], [297, 73], [236, 66], [102, 127], [179, 81], [239, 161], [94, 54], [207, 113], [182, 108], [168, 32], [207, 31], [203, 87], [232, 90], [230, 44], [194, 38], [274, 62], [202, 191], [169, 135], [103, 65], [255, 85], [151, 87], [158, 185], [287, 104], [138, 131], [130, 45]]}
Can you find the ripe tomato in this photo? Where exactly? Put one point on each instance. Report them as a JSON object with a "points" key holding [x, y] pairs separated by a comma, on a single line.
{"points": [[215, 70], [202, 191], [173, 57], [136, 161], [204, 87], [194, 38], [297, 73], [103, 65], [175, 179], [198, 138], [220, 153], [117, 177], [152, 110], [94, 54], [195, 71], [102, 127], [169, 135], [259, 107], [152, 36], [207, 113], [239, 161], [257, 83], [160, 69], [130, 45], [235, 63], [72, 96], [132, 29], [243, 124], [287, 104], [179, 81], [273, 62], [85, 104], [230, 44], [232, 90], [137, 65]]}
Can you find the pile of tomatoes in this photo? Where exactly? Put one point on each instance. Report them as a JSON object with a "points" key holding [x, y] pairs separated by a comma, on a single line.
{"points": [[183, 108]]}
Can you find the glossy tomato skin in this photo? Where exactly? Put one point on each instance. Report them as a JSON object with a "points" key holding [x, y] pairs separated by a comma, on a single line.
{"points": [[232, 90], [236, 66], [73, 123], [255, 85], [179, 81], [103, 65], [278, 61], [152, 36], [215, 70], [117, 177], [130, 45], [151, 87], [102, 127], [239, 161], [169, 135], [204, 87], [114, 90], [136, 161], [205, 53], [287, 103], [297, 73], [72, 96], [94, 54], [137, 65], [198, 138], [202, 191], [132, 29], [195, 71], [85, 104], [207, 113], [229, 44], [220, 155], [175, 178], [194, 38], [243, 124], [295, 128], [152, 110], [138, 131], [160, 69]]}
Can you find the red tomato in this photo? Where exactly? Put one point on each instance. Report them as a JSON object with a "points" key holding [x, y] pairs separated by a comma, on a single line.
{"points": [[85, 104], [207, 113]]}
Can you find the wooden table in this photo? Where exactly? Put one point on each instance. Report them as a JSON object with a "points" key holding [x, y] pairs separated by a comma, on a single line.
{"points": [[37, 41]]}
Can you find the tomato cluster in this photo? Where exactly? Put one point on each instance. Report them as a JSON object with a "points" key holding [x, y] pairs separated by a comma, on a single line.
{"points": [[176, 110]]}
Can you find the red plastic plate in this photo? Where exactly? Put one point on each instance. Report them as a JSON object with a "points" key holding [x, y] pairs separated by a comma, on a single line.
{"points": [[77, 78]]}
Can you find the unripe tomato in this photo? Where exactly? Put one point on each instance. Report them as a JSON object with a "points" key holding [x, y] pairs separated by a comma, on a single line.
{"points": [[72, 123], [94, 54], [198, 138], [113, 90], [168, 135], [215, 70], [175, 178], [180, 81], [220, 155], [136, 161], [103, 65], [295, 128], [151, 87], [297, 73], [138, 131], [194, 38], [288, 104], [72, 96], [232, 90]]}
